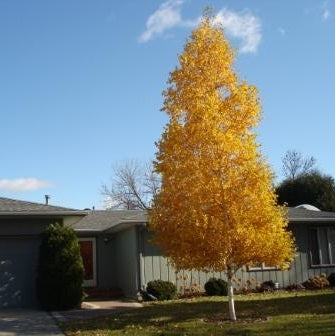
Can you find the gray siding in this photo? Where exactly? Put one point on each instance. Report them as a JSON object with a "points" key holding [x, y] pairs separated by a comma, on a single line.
{"points": [[154, 266], [105, 259], [25, 226], [19, 249], [106, 269], [116, 260], [18, 263], [127, 263]]}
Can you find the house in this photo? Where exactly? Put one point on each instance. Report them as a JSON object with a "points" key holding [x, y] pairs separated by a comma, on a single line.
{"points": [[125, 258], [21, 224], [117, 253]]}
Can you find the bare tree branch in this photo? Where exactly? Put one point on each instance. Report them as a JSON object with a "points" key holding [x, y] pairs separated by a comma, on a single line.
{"points": [[132, 186], [152, 181], [294, 164]]}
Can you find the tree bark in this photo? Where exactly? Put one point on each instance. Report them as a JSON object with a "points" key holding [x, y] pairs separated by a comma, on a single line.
{"points": [[231, 303]]}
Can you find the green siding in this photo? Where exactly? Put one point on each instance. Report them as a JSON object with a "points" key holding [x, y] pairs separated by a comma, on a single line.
{"points": [[155, 266], [129, 261]]}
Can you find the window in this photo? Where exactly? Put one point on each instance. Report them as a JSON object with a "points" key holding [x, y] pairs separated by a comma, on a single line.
{"points": [[322, 246], [261, 267]]}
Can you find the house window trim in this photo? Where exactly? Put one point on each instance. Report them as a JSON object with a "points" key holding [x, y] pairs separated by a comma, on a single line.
{"points": [[331, 257], [92, 282], [263, 267]]}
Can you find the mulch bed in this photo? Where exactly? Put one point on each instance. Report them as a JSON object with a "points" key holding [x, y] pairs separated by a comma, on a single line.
{"points": [[224, 319]]}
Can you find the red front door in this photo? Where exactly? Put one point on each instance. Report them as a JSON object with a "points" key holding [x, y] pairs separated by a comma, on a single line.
{"points": [[87, 250]]}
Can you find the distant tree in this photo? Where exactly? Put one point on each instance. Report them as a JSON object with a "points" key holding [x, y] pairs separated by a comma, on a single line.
{"points": [[216, 209], [313, 188], [133, 186], [60, 269], [294, 164]]}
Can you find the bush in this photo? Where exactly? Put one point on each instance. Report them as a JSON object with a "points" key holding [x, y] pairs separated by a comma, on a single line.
{"points": [[162, 290], [317, 282], [267, 286], [331, 279], [193, 290], [215, 287], [60, 269], [250, 286]]}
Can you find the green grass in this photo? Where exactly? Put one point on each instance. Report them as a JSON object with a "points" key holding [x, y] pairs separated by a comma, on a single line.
{"points": [[282, 313]]}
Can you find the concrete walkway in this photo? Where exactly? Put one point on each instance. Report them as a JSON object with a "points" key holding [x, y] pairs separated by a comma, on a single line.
{"points": [[25, 322], [92, 309]]}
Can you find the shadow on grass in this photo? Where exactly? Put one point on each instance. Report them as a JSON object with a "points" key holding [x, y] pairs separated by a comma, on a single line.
{"points": [[165, 315]]}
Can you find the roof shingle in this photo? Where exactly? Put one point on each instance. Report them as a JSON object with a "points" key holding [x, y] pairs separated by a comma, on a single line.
{"points": [[300, 213], [101, 220], [16, 207]]}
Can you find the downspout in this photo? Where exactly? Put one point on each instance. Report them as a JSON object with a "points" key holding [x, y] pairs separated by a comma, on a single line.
{"points": [[140, 266]]}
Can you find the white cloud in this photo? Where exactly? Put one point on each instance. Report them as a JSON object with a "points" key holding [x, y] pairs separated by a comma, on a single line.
{"points": [[322, 10], [166, 17], [281, 31], [326, 14], [23, 184], [244, 26], [325, 11]]}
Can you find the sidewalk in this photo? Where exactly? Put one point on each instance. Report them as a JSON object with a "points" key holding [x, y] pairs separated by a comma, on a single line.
{"points": [[94, 309]]}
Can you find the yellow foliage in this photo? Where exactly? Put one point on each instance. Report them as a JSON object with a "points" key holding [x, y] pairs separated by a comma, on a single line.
{"points": [[216, 209]]}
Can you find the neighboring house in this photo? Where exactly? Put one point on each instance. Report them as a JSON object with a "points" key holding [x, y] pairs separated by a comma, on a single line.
{"points": [[117, 252]]}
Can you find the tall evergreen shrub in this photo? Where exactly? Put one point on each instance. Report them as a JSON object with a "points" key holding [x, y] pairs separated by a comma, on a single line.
{"points": [[60, 269]]}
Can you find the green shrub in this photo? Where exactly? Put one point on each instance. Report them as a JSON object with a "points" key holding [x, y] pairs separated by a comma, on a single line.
{"points": [[317, 282], [60, 269], [215, 287], [331, 279], [162, 290], [267, 286]]}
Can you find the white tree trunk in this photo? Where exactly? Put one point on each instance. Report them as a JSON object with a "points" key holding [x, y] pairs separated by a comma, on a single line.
{"points": [[231, 303]]}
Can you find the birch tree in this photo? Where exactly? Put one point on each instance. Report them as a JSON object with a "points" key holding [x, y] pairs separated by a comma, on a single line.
{"points": [[216, 209]]}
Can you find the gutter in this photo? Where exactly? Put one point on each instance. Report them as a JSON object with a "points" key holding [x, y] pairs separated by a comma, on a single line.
{"points": [[43, 214], [87, 230], [312, 220], [123, 225]]}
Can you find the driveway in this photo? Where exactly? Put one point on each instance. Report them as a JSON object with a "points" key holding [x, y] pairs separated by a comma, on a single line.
{"points": [[25, 322]]}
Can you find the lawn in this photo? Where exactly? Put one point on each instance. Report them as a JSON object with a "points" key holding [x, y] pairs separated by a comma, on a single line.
{"points": [[282, 313]]}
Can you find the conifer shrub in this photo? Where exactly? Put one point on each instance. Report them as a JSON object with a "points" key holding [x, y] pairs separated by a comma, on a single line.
{"points": [[60, 269], [162, 290], [216, 287]]}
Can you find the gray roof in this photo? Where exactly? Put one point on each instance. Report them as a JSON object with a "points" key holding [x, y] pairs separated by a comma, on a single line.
{"points": [[10, 207], [102, 220], [303, 215], [113, 220]]}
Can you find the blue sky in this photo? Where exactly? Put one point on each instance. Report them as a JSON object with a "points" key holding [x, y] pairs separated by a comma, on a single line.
{"points": [[81, 85]]}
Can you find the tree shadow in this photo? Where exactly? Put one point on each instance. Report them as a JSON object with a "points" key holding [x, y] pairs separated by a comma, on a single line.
{"points": [[163, 315]]}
